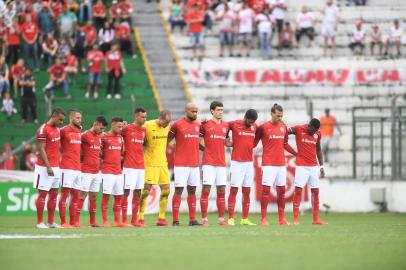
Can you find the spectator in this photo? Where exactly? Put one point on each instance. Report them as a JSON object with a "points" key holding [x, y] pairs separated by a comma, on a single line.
{"points": [[29, 32], [10, 12], [264, 24], [63, 48], [19, 6], [57, 8], [72, 5], [395, 37], [327, 125], [99, 14], [113, 11], [123, 36], [278, 8], [17, 72], [13, 42], [36, 5], [376, 39], [287, 36], [3, 38], [227, 19], [245, 28], [305, 25], [46, 25], [176, 15], [29, 11], [95, 58], [28, 99], [66, 23], [329, 26], [85, 10], [357, 39], [195, 20], [90, 40], [106, 37], [115, 70], [49, 49], [4, 76], [28, 158], [8, 105], [79, 46], [125, 9], [71, 67], [57, 78], [10, 160]]}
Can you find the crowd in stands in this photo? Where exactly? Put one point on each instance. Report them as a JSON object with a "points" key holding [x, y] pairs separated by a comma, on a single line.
{"points": [[25, 162], [245, 23], [63, 38]]}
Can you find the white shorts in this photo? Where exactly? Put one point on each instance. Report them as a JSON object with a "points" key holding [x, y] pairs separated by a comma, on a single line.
{"points": [[242, 173], [71, 178], [274, 175], [187, 176], [113, 184], [307, 175], [214, 175], [90, 182], [133, 178], [328, 30], [43, 181]]}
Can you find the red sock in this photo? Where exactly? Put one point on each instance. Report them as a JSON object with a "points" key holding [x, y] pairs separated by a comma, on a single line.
{"points": [[79, 209], [315, 204], [297, 197], [245, 201], [51, 205], [191, 202], [62, 204], [117, 208], [105, 207], [280, 191], [74, 197], [266, 190], [221, 203], [204, 203], [231, 201], [92, 210], [40, 204], [135, 207], [176, 199], [124, 208]]}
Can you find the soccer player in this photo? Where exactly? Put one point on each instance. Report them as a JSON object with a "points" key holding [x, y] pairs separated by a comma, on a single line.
{"points": [[47, 173], [186, 133], [70, 167], [214, 134], [274, 137], [133, 171], [90, 181], [309, 158], [242, 166], [112, 178], [156, 168]]}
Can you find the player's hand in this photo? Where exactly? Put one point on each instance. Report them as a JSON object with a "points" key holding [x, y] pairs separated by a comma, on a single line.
{"points": [[229, 143], [50, 171], [322, 173]]}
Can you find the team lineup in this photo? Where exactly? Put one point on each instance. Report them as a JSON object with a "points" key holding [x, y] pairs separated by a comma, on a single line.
{"points": [[129, 159]]}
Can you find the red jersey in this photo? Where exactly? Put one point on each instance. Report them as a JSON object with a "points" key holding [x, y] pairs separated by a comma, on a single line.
{"points": [[243, 140], [187, 143], [99, 10], [57, 70], [51, 137], [71, 60], [123, 32], [124, 9], [214, 136], [200, 3], [91, 145], [95, 59], [29, 32], [113, 59], [70, 142], [17, 71], [273, 137], [91, 34], [113, 10], [306, 146], [112, 147], [195, 15], [8, 164], [12, 35], [57, 9], [134, 146]]}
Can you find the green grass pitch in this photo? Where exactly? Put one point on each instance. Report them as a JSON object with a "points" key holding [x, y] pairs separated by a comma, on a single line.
{"points": [[350, 241]]}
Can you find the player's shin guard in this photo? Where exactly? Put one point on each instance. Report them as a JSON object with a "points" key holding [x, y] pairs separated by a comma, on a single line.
{"points": [[231, 201], [51, 204], [92, 210], [315, 204], [245, 201], [280, 191], [124, 209], [191, 202], [176, 199], [221, 204], [62, 204], [105, 208], [143, 203], [117, 209], [204, 203], [163, 203], [135, 205], [40, 204], [74, 197], [297, 197], [266, 190]]}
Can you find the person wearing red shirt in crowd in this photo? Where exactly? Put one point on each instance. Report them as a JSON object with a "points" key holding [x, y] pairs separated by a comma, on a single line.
{"points": [[56, 8], [29, 31], [3, 37], [47, 172], [16, 74], [115, 70], [125, 9], [242, 166], [186, 133], [57, 77], [122, 33], [194, 20], [95, 57], [113, 11], [214, 135], [29, 11], [9, 162], [99, 14], [274, 137], [71, 67], [91, 35], [201, 4], [13, 41], [90, 157], [133, 167], [309, 167], [30, 158], [49, 48], [112, 179]]}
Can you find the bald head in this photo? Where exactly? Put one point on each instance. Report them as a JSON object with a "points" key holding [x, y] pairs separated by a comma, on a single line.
{"points": [[191, 111]]}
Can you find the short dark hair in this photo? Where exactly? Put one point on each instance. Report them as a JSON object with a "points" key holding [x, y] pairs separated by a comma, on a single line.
{"points": [[139, 110], [164, 113], [117, 119], [251, 114], [102, 120], [215, 104], [72, 111], [58, 111], [276, 107], [315, 123]]}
